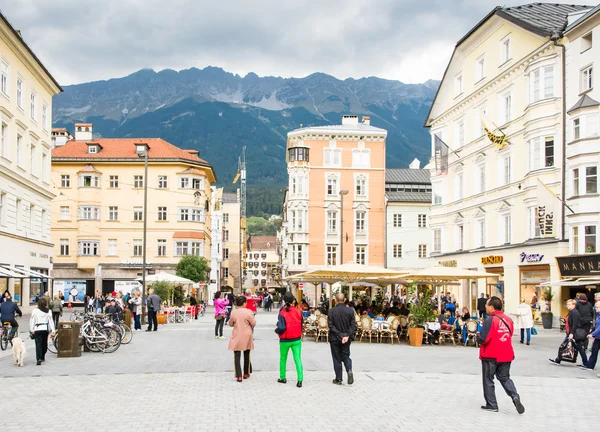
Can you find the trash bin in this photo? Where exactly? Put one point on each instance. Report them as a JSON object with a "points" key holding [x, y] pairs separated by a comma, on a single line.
{"points": [[127, 317], [68, 339]]}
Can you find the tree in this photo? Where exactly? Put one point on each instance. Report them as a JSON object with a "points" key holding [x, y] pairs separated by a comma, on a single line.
{"points": [[192, 267], [163, 289]]}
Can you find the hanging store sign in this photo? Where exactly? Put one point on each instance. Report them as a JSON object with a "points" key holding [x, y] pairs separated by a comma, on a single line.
{"points": [[492, 259], [579, 265], [134, 263], [531, 257], [448, 263]]}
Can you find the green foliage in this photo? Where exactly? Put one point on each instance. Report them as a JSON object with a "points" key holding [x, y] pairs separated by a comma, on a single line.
{"points": [[423, 312], [178, 293], [261, 226], [193, 268], [163, 289], [547, 294]]}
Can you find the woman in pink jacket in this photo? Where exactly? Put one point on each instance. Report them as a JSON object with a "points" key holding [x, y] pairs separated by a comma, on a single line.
{"points": [[243, 322], [220, 314]]}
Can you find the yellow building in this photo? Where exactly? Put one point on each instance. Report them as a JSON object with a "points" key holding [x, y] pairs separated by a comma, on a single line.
{"points": [[493, 207], [97, 217], [26, 90]]}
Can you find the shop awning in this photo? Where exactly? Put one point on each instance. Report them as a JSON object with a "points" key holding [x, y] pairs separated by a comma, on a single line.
{"points": [[5, 273], [24, 273], [572, 282]]}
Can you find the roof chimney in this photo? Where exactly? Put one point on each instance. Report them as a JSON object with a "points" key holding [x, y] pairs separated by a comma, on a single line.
{"points": [[366, 120], [194, 152], [349, 120], [415, 164], [83, 132]]}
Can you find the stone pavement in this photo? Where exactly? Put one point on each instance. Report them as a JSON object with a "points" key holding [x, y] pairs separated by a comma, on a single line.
{"points": [[181, 374]]}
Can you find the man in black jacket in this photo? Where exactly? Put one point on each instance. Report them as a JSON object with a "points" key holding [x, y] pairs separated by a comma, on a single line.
{"points": [[586, 313], [194, 303], [341, 333], [481, 302], [8, 310]]}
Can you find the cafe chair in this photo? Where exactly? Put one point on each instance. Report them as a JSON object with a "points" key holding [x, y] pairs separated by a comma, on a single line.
{"points": [[367, 328], [472, 332], [309, 329], [322, 328], [389, 329], [447, 335], [358, 331], [403, 325]]}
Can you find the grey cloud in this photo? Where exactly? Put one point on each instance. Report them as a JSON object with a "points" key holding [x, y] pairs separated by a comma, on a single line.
{"points": [[88, 40]]}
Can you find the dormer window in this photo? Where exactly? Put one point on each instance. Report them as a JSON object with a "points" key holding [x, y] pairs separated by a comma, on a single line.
{"points": [[92, 149], [140, 149]]}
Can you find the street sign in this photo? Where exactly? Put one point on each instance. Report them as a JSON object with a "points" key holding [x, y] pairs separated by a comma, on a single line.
{"points": [[301, 285]]}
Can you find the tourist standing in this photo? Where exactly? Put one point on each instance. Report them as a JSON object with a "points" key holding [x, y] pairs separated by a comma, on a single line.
{"points": [[153, 303], [575, 332], [231, 299], [341, 333], [220, 314], [481, 306], [41, 325], [525, 320], [289, 329], [57, 309], [194, 305], [135, 304], [242, 341], [496, 354], [251, 301]]}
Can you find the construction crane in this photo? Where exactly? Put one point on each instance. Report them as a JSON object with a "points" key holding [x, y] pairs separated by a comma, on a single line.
{"points": [[241, 173]]}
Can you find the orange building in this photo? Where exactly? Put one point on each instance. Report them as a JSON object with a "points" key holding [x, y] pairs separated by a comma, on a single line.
{"points": [[336, 199]]}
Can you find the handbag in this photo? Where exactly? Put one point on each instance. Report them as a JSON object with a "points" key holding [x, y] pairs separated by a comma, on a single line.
{"points": [[567, 351], [220, 316], [580, 334], [533, 331]]}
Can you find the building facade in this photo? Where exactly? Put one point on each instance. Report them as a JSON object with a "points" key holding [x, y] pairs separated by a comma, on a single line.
{"points": [[216, 248], [231, 267], [97, 216], [26, 90], [408, 204], [262, 261], [497, 147], [336, 198]]}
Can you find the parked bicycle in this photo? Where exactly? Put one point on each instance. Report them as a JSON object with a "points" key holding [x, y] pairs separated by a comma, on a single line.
{"points": [[4, 340], [99, 335]]}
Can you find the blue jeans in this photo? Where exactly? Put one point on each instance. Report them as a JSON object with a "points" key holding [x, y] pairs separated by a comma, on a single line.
{"points": [[523, 334], [591, 363], [137, 323]]}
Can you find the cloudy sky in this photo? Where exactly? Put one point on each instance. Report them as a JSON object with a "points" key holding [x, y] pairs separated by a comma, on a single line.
{"points": [[408, 40]]}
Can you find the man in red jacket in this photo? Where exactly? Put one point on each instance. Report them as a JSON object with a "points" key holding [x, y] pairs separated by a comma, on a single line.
{"points": [[496, 354]]}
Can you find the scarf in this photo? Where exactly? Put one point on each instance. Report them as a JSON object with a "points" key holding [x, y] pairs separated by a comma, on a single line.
{"points": [[45, 310]]}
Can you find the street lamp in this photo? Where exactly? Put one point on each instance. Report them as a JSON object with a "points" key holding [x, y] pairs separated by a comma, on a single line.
{"points": [[342, 193], [142, 150]]}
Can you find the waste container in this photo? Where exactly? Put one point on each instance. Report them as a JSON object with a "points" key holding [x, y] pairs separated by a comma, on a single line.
{"points": [[127, 317], [68, 339]]}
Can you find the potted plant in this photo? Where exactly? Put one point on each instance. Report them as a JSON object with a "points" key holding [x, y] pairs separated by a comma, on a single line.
{"points": [[422, 312], [547, 316]]}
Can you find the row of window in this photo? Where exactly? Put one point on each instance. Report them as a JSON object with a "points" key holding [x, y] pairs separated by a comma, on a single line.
{"points": [[298, 221], [27, 156], [397, 220], [397, 251], [92, 248], [5, 88], [86, 212], [332, 156], [390, 187], [589, 239], [300, 252], [589, 181], [26, 216], [94, 180], [333, 184]]}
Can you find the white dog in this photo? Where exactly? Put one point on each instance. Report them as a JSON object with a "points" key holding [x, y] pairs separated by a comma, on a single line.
{"points": [[18, 349]]}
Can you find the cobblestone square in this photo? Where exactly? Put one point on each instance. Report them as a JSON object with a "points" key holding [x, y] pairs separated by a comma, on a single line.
{"points": [[182, 378]]}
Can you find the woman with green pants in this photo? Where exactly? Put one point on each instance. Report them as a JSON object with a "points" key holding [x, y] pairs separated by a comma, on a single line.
{"points": [[289, 329]]}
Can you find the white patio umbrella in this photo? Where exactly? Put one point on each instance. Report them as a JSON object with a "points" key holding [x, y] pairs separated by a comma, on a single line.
{"points": [[166, 277]]}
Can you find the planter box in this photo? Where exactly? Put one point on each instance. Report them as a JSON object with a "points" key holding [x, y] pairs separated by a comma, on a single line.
{"points": [[415, 336], [547, 320]]}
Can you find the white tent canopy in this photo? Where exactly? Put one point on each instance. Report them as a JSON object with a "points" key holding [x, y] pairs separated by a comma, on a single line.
{"points": [[166, 277]]}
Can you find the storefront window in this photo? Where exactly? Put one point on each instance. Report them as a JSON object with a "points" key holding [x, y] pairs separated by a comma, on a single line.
{"points": [[38, 287], [3, 285], [530, 287], [18, 291]]}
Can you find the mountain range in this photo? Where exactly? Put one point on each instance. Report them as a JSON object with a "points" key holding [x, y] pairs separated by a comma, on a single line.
{"points": [[218, 113]]}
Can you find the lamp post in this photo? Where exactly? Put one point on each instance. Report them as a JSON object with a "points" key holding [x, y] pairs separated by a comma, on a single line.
{"points": [[342, 193], [143, 150]]}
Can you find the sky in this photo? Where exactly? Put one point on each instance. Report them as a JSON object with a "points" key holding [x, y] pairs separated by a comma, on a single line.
{"points": [[407, 40]]}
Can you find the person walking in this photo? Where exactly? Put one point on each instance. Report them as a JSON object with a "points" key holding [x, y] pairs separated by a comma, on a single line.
{"points": [[497, 354], [242, 341], [41, 325], [586, 313], [153, 303], [595, 337], [135, 305], [220, 314], [341, 334], [231, 299], [194, 304], [481, 306], [289, 329], [575, 333], [57, 309], [525, 320]]}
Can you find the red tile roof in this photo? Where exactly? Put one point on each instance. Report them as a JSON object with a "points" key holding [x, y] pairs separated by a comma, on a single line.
{"points": [[191, 171], [88, 169], [188, 235], [263, 242], [123, 148]]}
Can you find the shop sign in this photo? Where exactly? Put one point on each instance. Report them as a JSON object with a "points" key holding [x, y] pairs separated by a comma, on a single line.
{"points": [[72, 290], [492, 259], [583, 265], [449, 263], [133, 263], [531, 257]]}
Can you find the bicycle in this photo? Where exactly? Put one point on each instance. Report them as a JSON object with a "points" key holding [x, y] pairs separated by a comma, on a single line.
{"points": [[4, 335]]}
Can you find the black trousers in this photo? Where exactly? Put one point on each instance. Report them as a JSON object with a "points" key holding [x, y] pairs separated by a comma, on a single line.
{"points": [[219, 327], [14, 328], [501, 371], [587, 327], [55, 317], [41, 344], [591, 363], [237, 359], [152, 320], [340, 353]]}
